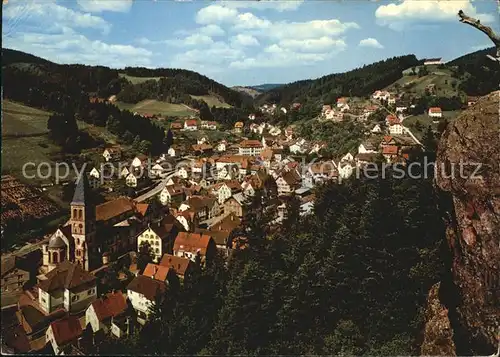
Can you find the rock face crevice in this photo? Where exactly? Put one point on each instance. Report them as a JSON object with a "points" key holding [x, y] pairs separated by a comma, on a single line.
{"points": [[468, 171]]}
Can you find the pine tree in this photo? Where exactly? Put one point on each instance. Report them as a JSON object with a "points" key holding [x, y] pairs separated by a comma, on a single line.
{"points": [[169, 139], [429, 140]]}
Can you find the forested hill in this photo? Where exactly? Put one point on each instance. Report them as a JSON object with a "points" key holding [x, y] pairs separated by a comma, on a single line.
{"points": [[358, 82], [479, 75], [175, 83], [48, 77], [471, 58], [13, 56]]}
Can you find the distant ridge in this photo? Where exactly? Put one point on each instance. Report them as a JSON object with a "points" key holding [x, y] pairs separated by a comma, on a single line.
{"points": [[266, 86], [10, 56]]}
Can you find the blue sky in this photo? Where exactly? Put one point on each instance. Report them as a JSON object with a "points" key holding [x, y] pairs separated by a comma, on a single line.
{"points": [[243, 42]]}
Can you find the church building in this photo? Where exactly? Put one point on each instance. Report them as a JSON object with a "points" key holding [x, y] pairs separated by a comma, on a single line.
{"points": [[93, 233], [76, 241]]}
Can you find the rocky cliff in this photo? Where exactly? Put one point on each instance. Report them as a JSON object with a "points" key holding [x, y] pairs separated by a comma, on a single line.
{"points": [[468, 173], [438, 333]]}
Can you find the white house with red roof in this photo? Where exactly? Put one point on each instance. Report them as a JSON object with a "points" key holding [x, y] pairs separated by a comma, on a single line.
{"points": [[381, 94], [341, 102], [250, 147], [435, 112], [191, 125], [62, 333], [100, 313], [396, 129]]}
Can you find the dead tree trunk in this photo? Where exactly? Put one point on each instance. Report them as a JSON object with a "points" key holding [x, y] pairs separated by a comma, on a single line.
{"points": [[485, 29]]}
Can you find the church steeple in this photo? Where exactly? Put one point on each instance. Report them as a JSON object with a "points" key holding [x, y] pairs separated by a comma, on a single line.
{"points": [[83, 223], [81, 190]]}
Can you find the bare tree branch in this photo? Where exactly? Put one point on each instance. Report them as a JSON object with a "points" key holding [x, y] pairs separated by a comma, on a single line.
{"points": [[485, 29]]}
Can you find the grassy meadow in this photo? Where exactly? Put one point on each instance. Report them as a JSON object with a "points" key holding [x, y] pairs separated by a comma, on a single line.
{"points": [[152, 106]]}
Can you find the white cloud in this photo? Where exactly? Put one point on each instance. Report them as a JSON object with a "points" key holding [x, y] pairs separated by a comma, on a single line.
{"points": [[289, 43], [214, 14], [195, 39], [49, 16], [146, 41], [212, 30], [227, 13], [242, 40], [370, 42], [212, 59], [398, 15], [278, 5], [317, 45], [67, 46], [311, 29], [279, 56], [248, 21], [105, 5]]}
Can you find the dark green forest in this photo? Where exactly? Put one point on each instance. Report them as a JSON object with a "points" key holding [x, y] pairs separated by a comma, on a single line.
{"points": [[358, 82], [177, 82], [352, 279], [479, 74]]}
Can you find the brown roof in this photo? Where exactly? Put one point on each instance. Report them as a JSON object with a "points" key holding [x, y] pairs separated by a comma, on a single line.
{"points": [[191, 122], [175, 189], [234, 185], [15, 337], [366, 157], [66, 329], [251, 144], [324, 168], [176, 125], [220, 237], [390, 150], [234, 159], [202, 147], [197, 202], [392, 119], [110, 209], [228, 223], [8, 263], [142, 208], [192, 242], [266, 154], [179, 264], [435, 110], [157, 272], [110, 305], [291, 178], [66, 275], [164, 227], [148, 287], [387, 139]]}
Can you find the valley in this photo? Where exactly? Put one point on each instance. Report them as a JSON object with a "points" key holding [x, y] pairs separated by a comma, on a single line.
{"points": [[222, 216]]}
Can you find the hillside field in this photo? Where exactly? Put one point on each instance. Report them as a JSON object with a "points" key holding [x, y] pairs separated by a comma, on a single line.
{"points": [[440, 77], [425, 120], [24, 137], [152, 106], [211, 101], [20, 120], [137, 80]]}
